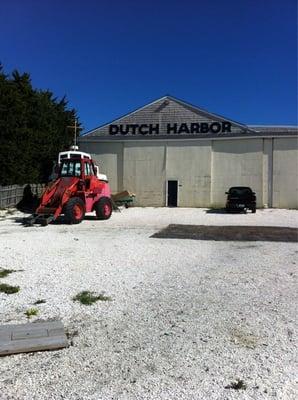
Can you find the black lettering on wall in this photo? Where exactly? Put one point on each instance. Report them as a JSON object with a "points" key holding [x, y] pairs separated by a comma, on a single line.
{"points": [[215, 127], [134, 128], [204, 127], [226, 127], [143, 129], [113, 129], [171, 128], [194, 128], [153, 129], [124, 131], [183, 128]]}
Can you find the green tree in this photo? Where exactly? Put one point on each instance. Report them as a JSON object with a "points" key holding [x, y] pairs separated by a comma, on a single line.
{"points": [[33, 129]]}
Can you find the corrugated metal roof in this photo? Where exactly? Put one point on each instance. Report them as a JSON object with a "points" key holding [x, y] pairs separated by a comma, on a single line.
{"points": [[275, 128]]}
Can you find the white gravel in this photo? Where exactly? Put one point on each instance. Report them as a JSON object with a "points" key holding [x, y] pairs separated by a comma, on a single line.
{"points": [[187, 318]]}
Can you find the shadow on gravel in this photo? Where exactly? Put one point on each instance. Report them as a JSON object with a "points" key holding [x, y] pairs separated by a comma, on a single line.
{"points": [[23, 221], [224, 211], [231, 233], [90, 218], [216, 211], [61, 220]]}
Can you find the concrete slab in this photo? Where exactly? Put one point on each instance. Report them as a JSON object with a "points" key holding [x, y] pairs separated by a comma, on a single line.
{"points": [[30, 337]]}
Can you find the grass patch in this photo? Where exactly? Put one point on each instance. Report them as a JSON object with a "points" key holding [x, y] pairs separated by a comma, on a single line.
{"points": [[41, 301], [87, 298], [5, 272], [8, 289], [31, 312]]}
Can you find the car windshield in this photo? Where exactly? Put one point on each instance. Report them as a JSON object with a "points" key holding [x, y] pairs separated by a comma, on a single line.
{"points": [[240, 191], [71, 168]]}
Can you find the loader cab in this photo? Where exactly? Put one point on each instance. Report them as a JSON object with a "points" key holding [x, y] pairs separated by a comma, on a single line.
{"points": [[82, 168], [75, 164], [80, 155]]}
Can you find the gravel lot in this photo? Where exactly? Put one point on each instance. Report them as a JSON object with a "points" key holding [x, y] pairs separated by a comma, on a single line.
{"points": [[187, 317]]}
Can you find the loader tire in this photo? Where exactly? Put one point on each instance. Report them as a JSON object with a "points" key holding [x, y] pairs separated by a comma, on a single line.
{"points": [[103, 208], [74, 210]]}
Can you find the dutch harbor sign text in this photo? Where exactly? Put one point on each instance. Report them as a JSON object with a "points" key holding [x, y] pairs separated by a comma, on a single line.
{"points": [[171, 128]]}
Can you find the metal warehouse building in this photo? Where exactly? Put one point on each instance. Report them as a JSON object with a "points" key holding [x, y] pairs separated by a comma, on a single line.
{"points": [[170, 152]]}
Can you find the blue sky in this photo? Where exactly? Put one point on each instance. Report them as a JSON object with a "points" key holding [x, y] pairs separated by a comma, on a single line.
{"points": [[235, 58]]}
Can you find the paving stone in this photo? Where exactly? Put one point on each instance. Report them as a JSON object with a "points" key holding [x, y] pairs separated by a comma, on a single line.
{"points": [[30, 337]]}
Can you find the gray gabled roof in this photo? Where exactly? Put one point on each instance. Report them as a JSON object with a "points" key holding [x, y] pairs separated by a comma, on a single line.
{"points": [[195, 109], [246, 130]]}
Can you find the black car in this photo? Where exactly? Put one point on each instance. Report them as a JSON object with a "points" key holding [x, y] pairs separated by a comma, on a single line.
{"points": [[241, 198]]}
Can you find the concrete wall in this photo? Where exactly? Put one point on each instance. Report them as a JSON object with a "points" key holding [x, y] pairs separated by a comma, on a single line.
{"points": [[267, 172], [144, 172], [285, 173], [205, 169], [236, 163], [189, 163]]}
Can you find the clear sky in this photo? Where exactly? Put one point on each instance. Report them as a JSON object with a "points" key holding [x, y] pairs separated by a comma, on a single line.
{"points": [[237, 58]]}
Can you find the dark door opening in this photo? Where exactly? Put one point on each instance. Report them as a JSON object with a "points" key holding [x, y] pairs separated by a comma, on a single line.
{"points": [[172, 193]]}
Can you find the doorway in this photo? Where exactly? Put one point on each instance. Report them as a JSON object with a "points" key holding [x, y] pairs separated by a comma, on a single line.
{"points": [[172, 193]]}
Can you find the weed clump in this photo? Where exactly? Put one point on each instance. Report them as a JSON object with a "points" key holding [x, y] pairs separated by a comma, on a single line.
{"points": [[31, 312], [5, 272], [237, 385], [41, 301], [88, 298], [8, 289]]}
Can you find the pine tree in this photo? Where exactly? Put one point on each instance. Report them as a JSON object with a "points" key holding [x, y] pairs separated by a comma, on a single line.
{"points": [[33, 129]]}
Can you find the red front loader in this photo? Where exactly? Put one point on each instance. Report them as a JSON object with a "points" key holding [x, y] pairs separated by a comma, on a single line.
{"points": [[76, 191]]}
